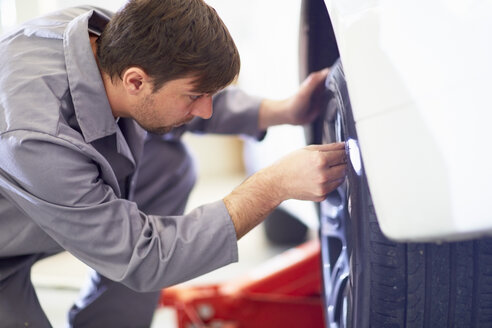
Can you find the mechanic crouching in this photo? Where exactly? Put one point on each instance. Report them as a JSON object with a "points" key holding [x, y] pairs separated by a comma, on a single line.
{"points": [[92, 109]]}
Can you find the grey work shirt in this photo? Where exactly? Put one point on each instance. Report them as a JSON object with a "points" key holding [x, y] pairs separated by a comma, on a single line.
{"points": [[68, 171]]}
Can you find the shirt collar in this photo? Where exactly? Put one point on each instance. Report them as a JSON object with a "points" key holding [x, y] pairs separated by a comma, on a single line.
{"points": [[89, 97]]}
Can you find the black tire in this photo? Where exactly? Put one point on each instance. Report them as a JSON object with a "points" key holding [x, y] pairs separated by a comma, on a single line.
{"points": [[413, 284], [371, 281]]}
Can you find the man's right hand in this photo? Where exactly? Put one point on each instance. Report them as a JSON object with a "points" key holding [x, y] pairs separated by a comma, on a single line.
{"points": [[310, 173]]}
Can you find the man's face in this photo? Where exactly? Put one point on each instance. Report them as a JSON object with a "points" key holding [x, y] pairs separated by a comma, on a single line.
{"points": [[174, 104]]}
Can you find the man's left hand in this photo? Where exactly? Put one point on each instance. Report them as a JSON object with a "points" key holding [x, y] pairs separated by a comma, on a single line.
{"points": [[296, 110]]}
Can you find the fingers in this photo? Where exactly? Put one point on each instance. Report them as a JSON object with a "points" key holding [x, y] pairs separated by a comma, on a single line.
{"points": [[328, 146], [337, 176], [337, 172], [318, 76], [330, 154], [333, 158], [314, 79], [314, 171], [330, 187], [322, 74]]}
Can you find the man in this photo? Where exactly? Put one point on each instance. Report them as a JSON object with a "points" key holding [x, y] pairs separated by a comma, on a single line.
{"points": [[91, 114]]}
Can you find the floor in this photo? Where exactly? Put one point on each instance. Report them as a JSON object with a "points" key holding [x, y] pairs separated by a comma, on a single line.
{"points": [[58, 279]]}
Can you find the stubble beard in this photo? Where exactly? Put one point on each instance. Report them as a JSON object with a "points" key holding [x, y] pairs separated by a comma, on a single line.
{"points": [[146, 110]]}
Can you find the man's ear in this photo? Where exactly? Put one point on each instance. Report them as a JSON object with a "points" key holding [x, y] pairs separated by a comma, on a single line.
{"points": [[135, 80]]}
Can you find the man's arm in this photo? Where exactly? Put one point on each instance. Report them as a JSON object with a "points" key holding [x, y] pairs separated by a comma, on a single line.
{"points": [[69, 190], [307, 174]]}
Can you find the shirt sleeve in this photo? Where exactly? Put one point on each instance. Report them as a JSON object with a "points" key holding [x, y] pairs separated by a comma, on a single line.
{"points": [[234, 112], [62, 188]]}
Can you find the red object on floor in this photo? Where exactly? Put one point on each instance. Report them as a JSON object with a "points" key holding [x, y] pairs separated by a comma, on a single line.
{"points": [[283, 292]]}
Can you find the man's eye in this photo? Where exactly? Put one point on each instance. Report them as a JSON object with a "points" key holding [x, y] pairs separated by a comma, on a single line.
{"points": [[195, 97]]}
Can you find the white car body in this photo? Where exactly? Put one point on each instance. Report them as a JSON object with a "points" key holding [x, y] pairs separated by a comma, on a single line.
{"points": [[419, 75]]}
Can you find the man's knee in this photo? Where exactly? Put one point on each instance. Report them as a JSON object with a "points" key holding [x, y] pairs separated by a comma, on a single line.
{"points": [[105, 303]]}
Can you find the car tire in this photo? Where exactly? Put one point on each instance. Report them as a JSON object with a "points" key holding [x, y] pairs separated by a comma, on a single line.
{"points": [[369, 280], [414, 284]]}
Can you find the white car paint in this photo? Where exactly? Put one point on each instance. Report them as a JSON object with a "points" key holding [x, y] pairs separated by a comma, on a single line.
{"points": [[419, 74]]}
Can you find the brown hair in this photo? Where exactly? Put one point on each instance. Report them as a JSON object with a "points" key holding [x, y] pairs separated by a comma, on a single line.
{"points": [[170, 39]]}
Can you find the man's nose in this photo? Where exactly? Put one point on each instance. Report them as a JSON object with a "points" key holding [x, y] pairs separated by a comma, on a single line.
{"points": [[203, 107]]}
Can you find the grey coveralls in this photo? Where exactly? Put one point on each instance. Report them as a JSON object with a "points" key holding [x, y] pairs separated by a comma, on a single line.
{"points": [[72, 178]]}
